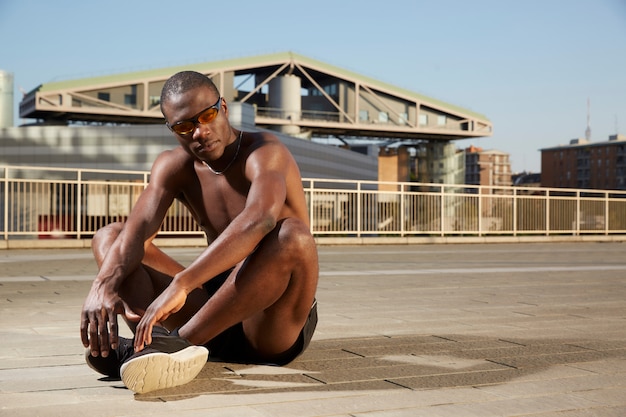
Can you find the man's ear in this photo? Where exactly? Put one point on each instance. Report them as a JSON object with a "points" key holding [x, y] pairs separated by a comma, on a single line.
{"points": [[224, 107]]}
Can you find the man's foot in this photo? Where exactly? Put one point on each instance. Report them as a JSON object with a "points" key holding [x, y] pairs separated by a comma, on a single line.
{"points": [[110, 366], [167, 362]]}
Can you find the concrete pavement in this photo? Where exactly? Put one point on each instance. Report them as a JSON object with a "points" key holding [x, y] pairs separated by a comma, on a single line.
{"points": [[417, 330]]}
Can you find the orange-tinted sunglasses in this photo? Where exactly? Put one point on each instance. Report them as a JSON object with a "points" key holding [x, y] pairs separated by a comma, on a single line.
{"points": [[185, 127]]}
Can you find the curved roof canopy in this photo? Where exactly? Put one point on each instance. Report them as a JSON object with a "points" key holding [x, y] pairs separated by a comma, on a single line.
{"points": [[289, 92]]}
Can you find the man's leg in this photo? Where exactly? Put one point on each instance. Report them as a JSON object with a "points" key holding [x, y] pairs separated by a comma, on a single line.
{"points": [[271, 293], [171, 360], [143, 285]]}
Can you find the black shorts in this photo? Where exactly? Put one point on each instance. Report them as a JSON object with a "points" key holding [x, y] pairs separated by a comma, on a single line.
{"points": [[232, 346]]}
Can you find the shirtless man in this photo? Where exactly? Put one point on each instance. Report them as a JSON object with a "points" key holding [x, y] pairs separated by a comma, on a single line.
{"points": [[248, 297]]}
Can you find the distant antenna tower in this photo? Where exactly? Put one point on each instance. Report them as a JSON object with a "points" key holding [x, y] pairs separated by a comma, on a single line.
{"points": [[588, 130]]}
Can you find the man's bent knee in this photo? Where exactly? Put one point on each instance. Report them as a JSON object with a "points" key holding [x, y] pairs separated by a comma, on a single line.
{"points": [[295, 234], [105, 236], [108, 232]]}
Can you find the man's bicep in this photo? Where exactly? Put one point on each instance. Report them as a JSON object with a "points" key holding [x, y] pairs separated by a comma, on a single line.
{"points": [[148, 213], [267, 172], [268, 192], [150, 209]]}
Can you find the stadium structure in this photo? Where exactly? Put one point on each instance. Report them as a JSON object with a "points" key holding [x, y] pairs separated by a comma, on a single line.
{"points": [[305, 101]]}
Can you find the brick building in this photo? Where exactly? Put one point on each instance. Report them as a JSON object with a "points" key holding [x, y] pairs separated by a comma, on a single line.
{"points": [[393, 166], [584, 164], [487, 167]]}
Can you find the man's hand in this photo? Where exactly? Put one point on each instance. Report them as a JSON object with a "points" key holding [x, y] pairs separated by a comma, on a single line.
{"points": [[169, 302], [98, 324]]}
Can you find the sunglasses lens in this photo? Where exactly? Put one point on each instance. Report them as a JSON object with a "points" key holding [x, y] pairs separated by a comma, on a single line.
{"points": [[183, 128], [208, 115]]}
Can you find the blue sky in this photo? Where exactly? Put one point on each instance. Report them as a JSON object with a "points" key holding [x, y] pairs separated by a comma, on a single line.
{"points": [[529, 66]]}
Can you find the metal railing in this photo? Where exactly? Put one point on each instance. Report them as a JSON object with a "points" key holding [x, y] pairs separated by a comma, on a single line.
{"points": [[45, 203]]}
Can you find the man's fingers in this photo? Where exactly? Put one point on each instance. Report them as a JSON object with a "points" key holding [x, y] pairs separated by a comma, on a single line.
{"points": [[93, 335], [103, 332], [138, 339], [113, 330], [84, 328], [143, 335]]}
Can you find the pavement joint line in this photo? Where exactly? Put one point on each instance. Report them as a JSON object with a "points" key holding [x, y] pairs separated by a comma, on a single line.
{"points": [[41, 278], [585, 268], [431, 271], [580, 268]]}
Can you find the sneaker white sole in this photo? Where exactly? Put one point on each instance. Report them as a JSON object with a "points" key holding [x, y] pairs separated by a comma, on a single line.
{"points": [[158, 370]]}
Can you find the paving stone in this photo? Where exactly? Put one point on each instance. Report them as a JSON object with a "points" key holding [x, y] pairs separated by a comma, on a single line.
{"points": [[542, 361]]}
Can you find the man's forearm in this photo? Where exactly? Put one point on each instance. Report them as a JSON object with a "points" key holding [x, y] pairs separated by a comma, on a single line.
{"points": [[122, 258]]}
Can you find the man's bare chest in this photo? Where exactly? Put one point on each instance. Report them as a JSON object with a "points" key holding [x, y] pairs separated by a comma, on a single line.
{"points": [[215, 202]]}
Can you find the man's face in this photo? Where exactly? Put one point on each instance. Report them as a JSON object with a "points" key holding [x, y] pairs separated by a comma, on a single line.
{"points": [[199, 120], [186, 127]]}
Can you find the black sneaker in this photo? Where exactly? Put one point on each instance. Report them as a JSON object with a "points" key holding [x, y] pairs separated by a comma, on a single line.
{"points": [[169, 361], [110, 366]]}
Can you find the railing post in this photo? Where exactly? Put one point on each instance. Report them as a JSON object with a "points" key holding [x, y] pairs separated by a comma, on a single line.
{"points": [[358, 209], [6, 203], [480, 210], [578, 216], [606, 213], [514, 212], [402, 209], [79, 205], [311, 217], [442, 209], [548, 212]]}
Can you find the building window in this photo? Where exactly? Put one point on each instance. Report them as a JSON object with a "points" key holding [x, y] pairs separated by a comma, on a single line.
{"points": [[403, 118], [104, 96], [423, 119], [383, 117], [441, 120], [364, 115], [130, 99], [331, 89]]}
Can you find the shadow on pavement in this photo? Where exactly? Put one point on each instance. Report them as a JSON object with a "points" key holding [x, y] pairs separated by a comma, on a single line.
{"points": [[400, 362]]}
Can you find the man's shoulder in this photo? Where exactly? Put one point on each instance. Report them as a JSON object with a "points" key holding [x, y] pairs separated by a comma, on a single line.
{"points": [[265, 139], [175, 158], [263, 136], [173, 162], [269, 152]]}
